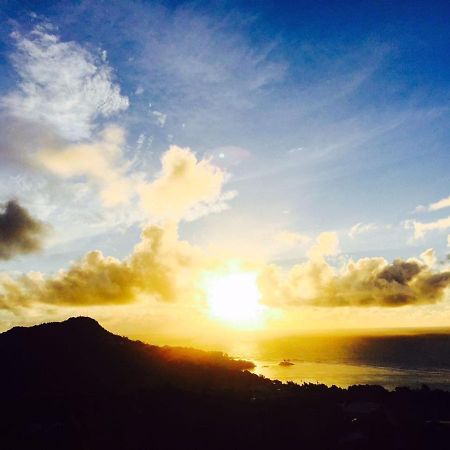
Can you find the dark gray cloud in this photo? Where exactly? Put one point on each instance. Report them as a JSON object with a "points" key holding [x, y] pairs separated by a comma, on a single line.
{"points": [[400, 271], [20, 233]]}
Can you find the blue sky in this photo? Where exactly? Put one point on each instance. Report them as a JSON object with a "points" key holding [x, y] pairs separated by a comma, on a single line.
{"points": [[326, 116]]}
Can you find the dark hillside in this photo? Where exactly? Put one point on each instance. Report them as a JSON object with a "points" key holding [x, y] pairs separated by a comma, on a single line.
{"points": [[79, 356], [75, 386]]}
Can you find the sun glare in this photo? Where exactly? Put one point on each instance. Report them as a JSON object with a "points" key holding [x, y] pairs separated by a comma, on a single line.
{"points": [[234, 298]]}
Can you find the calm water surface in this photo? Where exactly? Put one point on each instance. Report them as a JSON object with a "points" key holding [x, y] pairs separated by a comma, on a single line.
{"points": [[390, 361], [344, 375]]}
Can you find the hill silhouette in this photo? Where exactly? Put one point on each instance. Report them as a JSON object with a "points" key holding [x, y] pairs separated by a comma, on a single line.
{"points": [[74, 385], [79, 356]]}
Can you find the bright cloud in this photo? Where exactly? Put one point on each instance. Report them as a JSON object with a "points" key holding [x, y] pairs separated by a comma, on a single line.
{"points": [[61, 84], [363, 283], [63, 92], [101, 161], [327, 244], [186, 187], [168, 269], [160, 118], [161, 266], [361, 228], [420, 229], [443, 203]]}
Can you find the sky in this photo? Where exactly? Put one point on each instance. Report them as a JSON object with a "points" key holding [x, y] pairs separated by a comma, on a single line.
{"points": [[181, 170]]}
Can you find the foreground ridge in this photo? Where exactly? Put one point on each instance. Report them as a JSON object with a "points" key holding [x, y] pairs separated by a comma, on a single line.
{"points": [[75, 385]]}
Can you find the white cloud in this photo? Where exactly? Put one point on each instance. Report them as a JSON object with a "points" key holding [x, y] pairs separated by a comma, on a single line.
{"points": [[360, 228], [421, 228], [443, 203], [61, 84], [140, 141], [160, 118], [436, 206]]}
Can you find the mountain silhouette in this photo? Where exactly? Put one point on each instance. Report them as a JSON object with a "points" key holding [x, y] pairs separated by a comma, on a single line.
{"points": [[73, 385], [78, 355]]}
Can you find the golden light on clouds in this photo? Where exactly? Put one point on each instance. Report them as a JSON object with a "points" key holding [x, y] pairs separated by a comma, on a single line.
{"points": [[185, 188], [266, 264], [100, 162]]}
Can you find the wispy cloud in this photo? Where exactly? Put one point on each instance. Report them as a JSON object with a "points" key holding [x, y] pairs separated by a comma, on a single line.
{"points": [[436, 206], [160, 118], [62, 84], [443, 203], [420, 228], [360, 228], [210, 59]]}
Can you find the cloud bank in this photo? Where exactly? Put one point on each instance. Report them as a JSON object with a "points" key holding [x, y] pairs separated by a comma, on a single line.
{"points": [[161, 266], [20, 233], [366, 282], [165, 268]]}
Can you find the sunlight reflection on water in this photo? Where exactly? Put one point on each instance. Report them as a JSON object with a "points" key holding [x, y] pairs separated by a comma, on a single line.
{"points": [[344, 375], [343, 360]]}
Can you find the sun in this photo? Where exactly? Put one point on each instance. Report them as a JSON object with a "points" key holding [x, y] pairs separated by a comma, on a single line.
{"points": [[234, 298]]}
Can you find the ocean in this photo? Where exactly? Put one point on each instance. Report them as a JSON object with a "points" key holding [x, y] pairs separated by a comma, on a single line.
{"points": [[408, 359]]}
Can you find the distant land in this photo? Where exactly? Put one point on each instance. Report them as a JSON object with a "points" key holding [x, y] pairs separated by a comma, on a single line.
{"points": [[74, 385]]}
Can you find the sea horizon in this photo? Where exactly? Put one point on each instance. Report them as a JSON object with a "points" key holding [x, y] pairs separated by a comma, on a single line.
{"points": [[390, 360]]}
